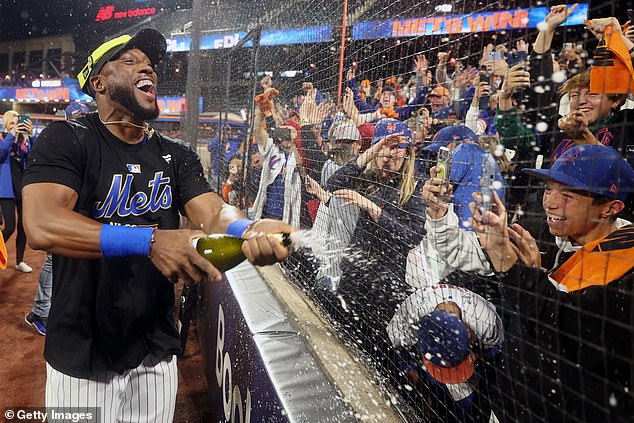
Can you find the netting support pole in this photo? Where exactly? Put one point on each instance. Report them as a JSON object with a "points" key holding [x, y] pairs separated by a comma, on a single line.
{"points": [[342, 52], [192, 87], [255, 35]]}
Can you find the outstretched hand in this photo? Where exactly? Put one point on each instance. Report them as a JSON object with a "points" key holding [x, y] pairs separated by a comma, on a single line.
{"points": [[558, 15], [353, 198]]}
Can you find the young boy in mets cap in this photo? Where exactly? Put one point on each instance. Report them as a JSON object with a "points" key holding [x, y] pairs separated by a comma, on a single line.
{"points": [[569, 339]]}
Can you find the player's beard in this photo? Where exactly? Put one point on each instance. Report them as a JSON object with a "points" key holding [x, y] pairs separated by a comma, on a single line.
{"points": [[124, 95]]}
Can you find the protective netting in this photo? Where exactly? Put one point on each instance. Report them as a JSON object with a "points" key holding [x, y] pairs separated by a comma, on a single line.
{"points": [[462, 320]]}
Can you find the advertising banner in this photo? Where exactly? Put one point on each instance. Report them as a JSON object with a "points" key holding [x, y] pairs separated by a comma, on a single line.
{"points": [[175, 105], [461, 24], [314, 34], [64, 93]]}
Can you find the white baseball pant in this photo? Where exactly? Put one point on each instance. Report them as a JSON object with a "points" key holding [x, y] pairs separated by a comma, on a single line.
{"points": [[144, 394]]}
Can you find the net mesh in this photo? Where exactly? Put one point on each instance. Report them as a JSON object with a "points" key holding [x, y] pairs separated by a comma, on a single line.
{"points": [[489, 311], [456, 324]]}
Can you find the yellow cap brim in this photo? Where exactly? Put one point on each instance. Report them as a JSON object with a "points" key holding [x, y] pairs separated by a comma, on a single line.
{"points": [[93, 62]]}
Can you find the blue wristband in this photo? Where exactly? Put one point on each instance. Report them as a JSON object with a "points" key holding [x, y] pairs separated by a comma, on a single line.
{"points": [[237, 227], [125, 241]]}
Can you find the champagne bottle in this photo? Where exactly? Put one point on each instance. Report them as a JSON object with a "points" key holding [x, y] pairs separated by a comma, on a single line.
{"points": [[225, 251]]}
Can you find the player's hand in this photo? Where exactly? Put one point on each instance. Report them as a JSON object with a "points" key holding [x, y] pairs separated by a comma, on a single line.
{"points": [[262, 250], [175, 257]]}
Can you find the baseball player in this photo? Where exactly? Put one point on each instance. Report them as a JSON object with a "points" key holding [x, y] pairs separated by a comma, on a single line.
{"points": [[103, 193]]}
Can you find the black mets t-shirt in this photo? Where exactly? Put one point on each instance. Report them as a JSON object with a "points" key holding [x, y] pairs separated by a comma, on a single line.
{"points": [[109, 314]]}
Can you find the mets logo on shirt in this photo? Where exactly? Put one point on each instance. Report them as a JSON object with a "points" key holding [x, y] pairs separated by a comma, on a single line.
{"points": [[122, 201], [275, 163]]}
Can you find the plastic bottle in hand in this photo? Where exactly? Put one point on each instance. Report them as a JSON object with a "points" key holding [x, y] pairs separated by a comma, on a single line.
{"points": [[225, 251]]}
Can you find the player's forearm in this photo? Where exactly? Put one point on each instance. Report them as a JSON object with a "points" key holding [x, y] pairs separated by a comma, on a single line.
{"points": [[62, 231], [210, 214]]}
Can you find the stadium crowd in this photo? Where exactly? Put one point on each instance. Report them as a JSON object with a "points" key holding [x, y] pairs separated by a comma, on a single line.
{"points": [[477, 222]]}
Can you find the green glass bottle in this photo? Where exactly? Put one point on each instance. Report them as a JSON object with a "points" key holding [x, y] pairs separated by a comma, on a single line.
{"points": [[225, 251]]}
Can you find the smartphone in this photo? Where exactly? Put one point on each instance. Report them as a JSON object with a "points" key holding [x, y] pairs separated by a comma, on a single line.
{"points": [[486, 183], [443, 163], [487, 76], [495, 56], [281, 134], [567, 45], [23, 118], [518, 57]]}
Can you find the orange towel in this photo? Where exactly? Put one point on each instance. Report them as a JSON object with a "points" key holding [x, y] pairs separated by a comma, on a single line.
{"points": [[3, 254], [612, 71], [599, 262]]}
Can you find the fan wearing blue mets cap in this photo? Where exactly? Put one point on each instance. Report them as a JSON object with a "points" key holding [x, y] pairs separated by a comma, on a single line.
{"points": [[449, 329], [466, 167], [574, 291], [103, 193], [381, 182]]}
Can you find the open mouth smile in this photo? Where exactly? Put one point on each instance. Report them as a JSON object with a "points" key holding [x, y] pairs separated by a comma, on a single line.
{"points": [[146, 86]]}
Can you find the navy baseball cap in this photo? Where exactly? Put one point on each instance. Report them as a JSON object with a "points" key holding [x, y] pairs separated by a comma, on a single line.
{"points": [[596, 169], [387, 126], [75, 109], [443, 341], [446, 136]]}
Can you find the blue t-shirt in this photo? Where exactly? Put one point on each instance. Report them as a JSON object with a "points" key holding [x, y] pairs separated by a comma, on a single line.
{"points": [[466, 172], [274, 206], [231, 147]]}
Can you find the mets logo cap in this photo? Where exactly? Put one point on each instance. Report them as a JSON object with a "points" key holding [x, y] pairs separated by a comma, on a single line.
{"points": [[387, 126], [596, 169], [443, 342], [456, 133], [149, 41]]}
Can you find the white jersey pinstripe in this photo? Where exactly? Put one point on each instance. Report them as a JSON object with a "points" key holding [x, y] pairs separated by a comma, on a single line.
{"points": [[146, 393]]}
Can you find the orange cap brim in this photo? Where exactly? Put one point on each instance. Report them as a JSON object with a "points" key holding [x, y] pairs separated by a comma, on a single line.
{"points": [[458, 374]]}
